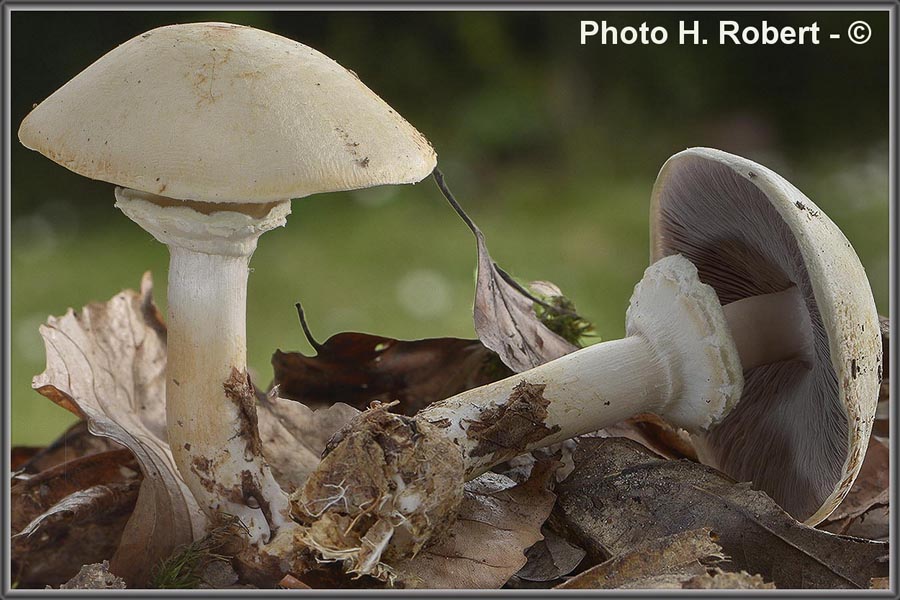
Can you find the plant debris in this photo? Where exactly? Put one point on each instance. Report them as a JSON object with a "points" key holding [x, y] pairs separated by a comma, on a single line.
{"points": [[386, 483], [77, 441], [629, 514], [106, 364], [198, 562], [654, 563], [94, 576], [558, 313], [498, 520], [358, 368], [71, 514], [620, 495], [505, 319], [551, 558]]}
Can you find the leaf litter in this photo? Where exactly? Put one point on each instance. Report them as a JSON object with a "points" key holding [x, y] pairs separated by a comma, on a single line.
{"points": [[636, 513], [622, 495]]}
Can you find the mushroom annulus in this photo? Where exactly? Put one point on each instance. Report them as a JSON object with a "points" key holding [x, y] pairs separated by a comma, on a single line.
{"points": [[209, 130], [781, 381]]}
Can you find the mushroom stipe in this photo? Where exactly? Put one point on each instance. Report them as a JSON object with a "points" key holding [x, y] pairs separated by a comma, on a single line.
{"points": [[207, 160], [791, 308]]}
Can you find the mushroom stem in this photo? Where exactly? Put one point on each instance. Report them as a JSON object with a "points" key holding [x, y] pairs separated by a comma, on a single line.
{"points": [[580, 392], [678, 360], [650, 370], [210, 402], [771, 328]]}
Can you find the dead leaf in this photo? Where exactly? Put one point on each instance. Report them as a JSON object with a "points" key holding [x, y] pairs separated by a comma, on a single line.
{"points": [[486, 545], [77, 441], [294, 436], [505, 320], [94, 577], [874, 524], [717, 579], [36, 494], [20, 455], [357, 368], [550, 558], [880, 583], [677, 557], [80, 506], [881, 427], [106, 363], [69, 515], [289, 582], [870, 486], [620, 495]]}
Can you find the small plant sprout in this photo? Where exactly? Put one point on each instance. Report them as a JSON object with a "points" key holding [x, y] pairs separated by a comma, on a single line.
{"points": [[210, 129], [685, 357]]}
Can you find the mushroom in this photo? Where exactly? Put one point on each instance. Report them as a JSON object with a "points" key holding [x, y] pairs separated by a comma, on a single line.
{"points": [[802, 317], [210, 129], [802, 426]]}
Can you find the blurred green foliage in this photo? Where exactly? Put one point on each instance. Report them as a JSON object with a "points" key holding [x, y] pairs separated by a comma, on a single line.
{"points": [[551, 146]]}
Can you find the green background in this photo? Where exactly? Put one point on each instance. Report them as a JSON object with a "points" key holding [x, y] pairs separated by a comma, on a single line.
{"points": [[551, 146]]}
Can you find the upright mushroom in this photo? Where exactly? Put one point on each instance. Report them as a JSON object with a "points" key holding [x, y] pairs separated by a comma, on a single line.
{"points": [[800, 322], [210, 129]]}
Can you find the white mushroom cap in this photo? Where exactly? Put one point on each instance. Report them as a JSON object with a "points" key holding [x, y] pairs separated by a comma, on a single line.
{"points": [[800, 430], [217, 112]]}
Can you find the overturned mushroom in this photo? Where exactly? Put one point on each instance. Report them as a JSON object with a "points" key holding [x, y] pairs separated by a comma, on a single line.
{"points": [[684, 359], [373, 495], [211, 129], [802, 426]]}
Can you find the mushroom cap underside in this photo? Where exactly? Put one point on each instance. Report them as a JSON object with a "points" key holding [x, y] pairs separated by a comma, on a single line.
{"points": [[217, 112], [800, 430]]}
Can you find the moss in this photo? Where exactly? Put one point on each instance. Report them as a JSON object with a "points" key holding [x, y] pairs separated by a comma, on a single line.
{"points": [[184, 568], [558, 314]]}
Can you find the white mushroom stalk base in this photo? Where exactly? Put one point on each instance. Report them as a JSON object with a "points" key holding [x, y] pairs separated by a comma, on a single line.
{"points": [[210, 402]]}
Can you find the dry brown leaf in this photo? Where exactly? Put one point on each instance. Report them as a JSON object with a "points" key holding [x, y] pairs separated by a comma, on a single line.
{"points": [[870, 486], [357, 368], [33, 495], [107, 364], [874, 524], [620, 495], [75, 442], [294, 436], [101, 500], [717, 579], [289, 582], [70, 515], [94, 576], [880, 583], [550, 558], [505, 320], [676, 558], [486, 545], [19, 456], [881, 427]]}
